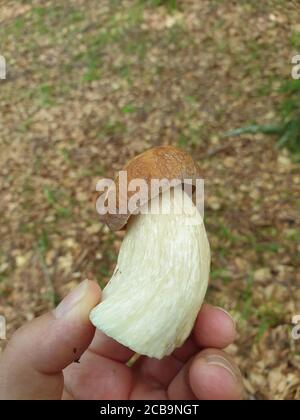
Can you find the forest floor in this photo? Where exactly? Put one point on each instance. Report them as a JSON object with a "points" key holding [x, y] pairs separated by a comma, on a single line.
{"points": [[89, 86]]}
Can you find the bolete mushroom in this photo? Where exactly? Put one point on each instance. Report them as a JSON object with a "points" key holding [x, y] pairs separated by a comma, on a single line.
{"points": [[161, 277]]}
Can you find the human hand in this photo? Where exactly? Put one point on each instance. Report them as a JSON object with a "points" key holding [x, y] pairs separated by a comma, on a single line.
{"points": [[38, 362]]}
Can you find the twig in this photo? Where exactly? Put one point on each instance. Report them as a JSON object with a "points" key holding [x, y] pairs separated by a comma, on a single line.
{"points": [[47, 277], [217, 150]]}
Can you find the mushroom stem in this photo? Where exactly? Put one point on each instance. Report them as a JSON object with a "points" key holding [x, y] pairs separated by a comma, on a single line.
{"points": [[159, 284]]}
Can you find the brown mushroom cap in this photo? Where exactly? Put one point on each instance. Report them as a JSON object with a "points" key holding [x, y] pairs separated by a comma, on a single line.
{"points": [[165, 162]]}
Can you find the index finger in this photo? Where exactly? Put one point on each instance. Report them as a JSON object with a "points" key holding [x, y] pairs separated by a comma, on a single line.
{"points": [[105, 346], [213, 328]]}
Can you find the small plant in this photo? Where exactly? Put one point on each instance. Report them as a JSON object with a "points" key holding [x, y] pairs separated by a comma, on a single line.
{"points": [[270, 315], [288, 129]]}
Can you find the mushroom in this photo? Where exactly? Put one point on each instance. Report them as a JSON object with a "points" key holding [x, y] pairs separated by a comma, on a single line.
{"points": [[156, 291]]}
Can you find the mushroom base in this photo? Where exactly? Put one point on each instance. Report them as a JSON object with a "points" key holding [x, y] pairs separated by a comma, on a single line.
{"points": [[157, 289]]}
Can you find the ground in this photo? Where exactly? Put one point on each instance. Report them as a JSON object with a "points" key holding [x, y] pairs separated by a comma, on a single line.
{"points": [[91, 84]]}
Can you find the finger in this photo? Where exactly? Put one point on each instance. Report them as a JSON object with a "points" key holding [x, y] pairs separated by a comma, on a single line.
{"points": [[98, 378], [67, 396], [211, 375], [31, 366], [185, 352], [159, 371], [214, 376], [214, 327], [105, 346]]}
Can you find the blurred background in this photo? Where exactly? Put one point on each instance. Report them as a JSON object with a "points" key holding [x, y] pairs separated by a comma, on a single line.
{"points": [[92, 83]]}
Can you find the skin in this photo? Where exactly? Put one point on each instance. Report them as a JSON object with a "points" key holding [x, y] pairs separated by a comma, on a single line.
{"points": [[40, 359]]}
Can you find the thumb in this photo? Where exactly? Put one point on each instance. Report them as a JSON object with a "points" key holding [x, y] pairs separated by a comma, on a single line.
{"points": [[31, 366]]}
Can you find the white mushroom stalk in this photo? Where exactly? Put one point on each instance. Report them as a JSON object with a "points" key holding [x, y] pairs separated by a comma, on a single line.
{"points": [[160, 281]]}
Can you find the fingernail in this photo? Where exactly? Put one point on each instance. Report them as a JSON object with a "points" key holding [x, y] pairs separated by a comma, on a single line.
{"points": [[67, 305], [228, 314], [216, 360]]}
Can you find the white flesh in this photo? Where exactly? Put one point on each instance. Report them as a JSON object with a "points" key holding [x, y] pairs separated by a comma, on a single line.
{"points": [[153, 298]]}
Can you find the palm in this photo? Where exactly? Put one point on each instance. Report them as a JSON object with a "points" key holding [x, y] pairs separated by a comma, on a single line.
{"points": [[103, 374]]}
